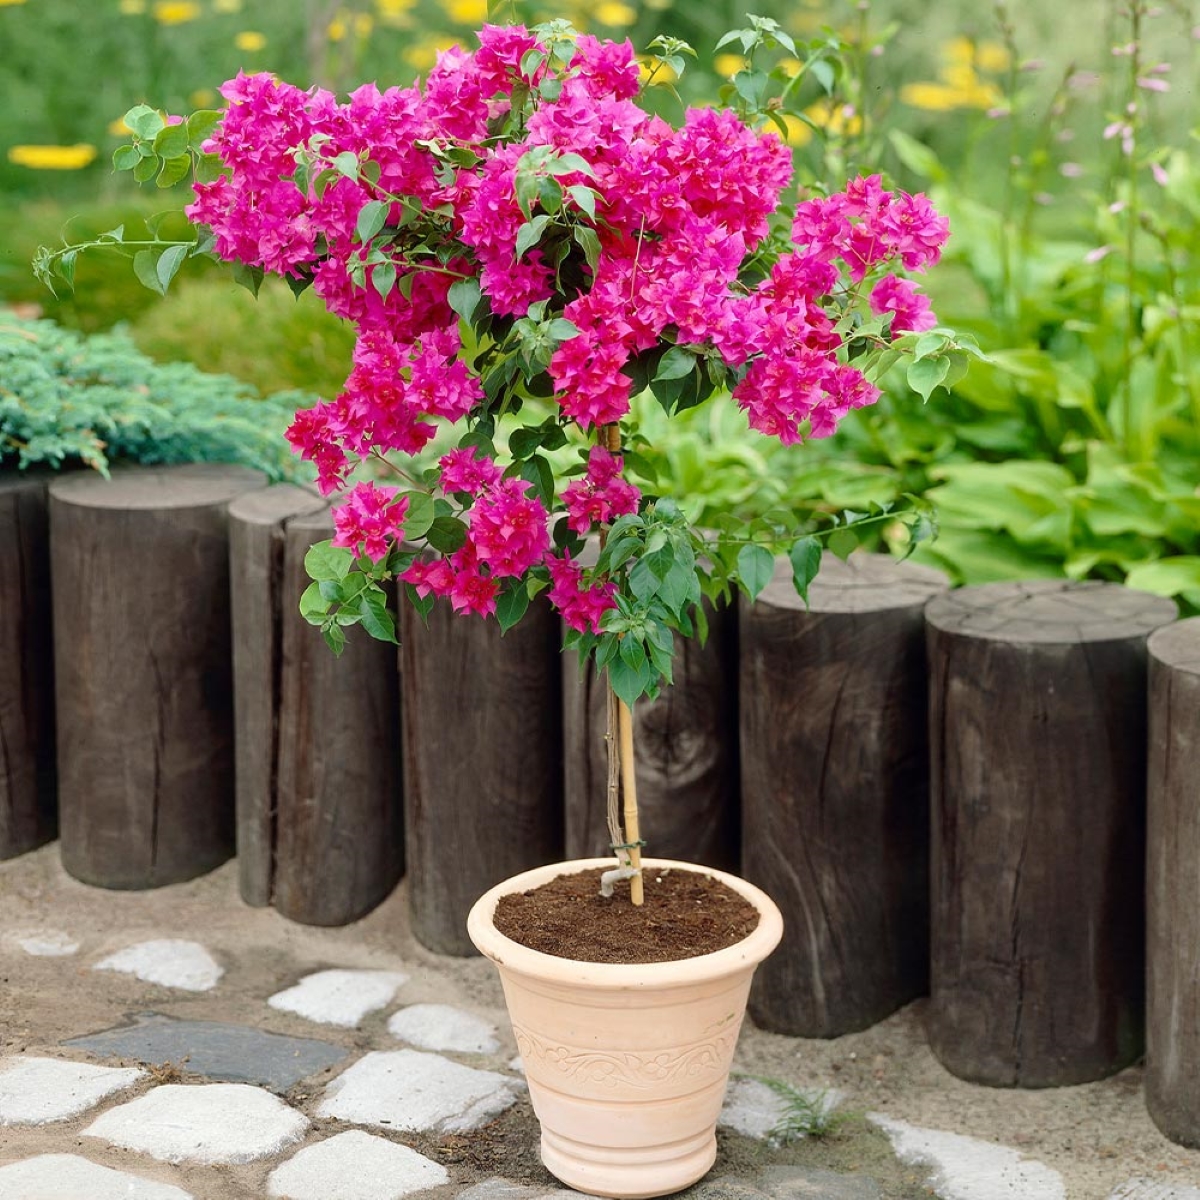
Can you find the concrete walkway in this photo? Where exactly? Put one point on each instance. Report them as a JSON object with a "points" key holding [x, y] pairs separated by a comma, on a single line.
{"points": [[161, 1046]]}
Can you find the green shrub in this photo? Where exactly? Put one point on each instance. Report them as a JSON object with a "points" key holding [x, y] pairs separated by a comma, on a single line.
{"points": [[66, 398]]}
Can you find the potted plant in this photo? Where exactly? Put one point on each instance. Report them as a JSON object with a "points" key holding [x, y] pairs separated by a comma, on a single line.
{"points": [[522, 247]]}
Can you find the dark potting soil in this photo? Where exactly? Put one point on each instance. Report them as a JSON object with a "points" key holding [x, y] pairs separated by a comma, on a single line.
{"points": [[685, 914]]}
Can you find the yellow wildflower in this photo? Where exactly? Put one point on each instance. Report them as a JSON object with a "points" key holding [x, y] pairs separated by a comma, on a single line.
{"points": [[4, 2], [249, 40], [726, 65], [394, 10], [118, 128], [791, 67], [613, 12], [52, 158], [203, 98], [423, 54], [987, 56], [941, 97], [467, 12], [798, 133], [175, 12], [336, 30], [363, 24], [227, 6], [132, 8]]}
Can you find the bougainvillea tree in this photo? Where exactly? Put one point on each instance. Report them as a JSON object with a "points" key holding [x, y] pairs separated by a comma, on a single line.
{"points": [[522, 247]]}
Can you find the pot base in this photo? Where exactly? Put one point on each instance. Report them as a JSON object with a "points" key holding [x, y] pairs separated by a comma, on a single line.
{"points": [[618, 1175]]}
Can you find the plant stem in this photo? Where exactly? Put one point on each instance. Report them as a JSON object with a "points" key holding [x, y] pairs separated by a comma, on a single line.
{"points": [[629, 787]]}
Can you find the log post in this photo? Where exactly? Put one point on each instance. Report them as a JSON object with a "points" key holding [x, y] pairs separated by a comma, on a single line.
{"points": [[143, 681], [1173, 883], [339, 830], [835, 814], [1038, 749], [28, 797], [685, 754], [256, 541], [482, 721]]}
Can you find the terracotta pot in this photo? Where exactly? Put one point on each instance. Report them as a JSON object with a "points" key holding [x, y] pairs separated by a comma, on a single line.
{"points": [[626, 1062]]}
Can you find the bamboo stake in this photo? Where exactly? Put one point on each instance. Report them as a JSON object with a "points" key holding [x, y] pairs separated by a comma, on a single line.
{"points": [[629, 786]]}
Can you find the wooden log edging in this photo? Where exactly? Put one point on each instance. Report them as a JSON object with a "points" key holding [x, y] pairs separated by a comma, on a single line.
{"points": [[1173, 883], [482, 748], [835, 790], [685, 751], [143, 683], [28, 789], [320, 828], [1038, 747], [339, 831]]}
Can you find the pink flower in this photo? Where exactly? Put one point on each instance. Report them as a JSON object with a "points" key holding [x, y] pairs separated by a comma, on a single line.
{"points": [[581, 608], [468, 470], [471, 591], [509, 529], [429, 577], [370, 519], [903, 298], [602, 495]]}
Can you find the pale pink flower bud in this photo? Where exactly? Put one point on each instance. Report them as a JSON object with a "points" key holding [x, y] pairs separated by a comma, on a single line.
{"points": [[1094, 256], [1153, 85], [1070, 170], [1160, 175]]}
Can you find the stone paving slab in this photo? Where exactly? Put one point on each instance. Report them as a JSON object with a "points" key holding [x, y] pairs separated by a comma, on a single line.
{"points": [[965, 1168], [205, 1123], [809, 1183], [48, 944], [36, 1091], [444, 1027], [1148, 1189], [413, 1091], [355, 1166], [171, 962], [340, 997], [70, 1177], [229, 1053]]}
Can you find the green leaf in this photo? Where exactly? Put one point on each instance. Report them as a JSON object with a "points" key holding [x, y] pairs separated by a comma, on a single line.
{"points": [[335, 637], [537, 470], [584, 197], [1168, 576], [530, 232], [327, 562], [511, 605], [314, 608], [200, 126], [675, 364], [843, 543], [145, 267], [566, 164], [420, 515], [927, 374], [346, 164], [805, 557], [208, 168], [146, 169], [628, 682], [171, 141], [371, 219], [125, 158], [446, 535], [174, 169], [376, 619], [248, 277], [464, 297], [144, 121], [383, 277], [756, 566], [588, 241], [169, 263]]}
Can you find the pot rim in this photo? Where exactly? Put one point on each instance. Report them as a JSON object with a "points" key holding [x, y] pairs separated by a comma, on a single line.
{"points": [[503, 951]]}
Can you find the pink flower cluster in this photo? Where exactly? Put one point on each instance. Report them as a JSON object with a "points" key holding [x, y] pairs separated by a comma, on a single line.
{"points": [[372, 518], [679, 213]]}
